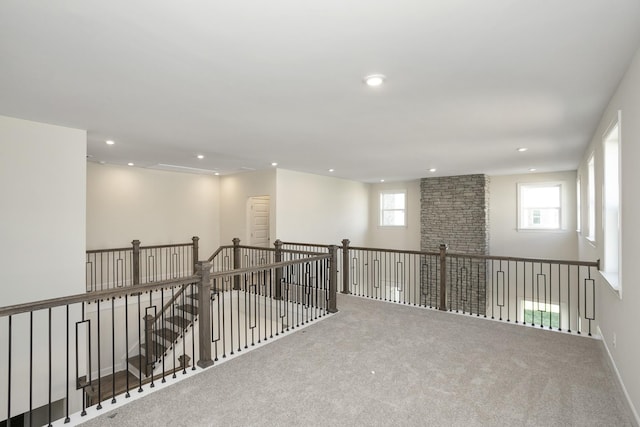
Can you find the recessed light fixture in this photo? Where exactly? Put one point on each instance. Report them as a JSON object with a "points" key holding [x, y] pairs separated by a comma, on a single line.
{"points": [[532, 169], [129, 164], [109, 142], [102, 162], [217, 174], [522, 149], [432, 170], [331, 170], [375, 79], [382, 180], [200, 156], [274, 164]]}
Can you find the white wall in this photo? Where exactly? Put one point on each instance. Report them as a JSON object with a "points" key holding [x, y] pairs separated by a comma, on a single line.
{"points": [[42, 244], [235, 191], [42, 226], [395, 237], [156, 207], [620, 316], [504, 237], [321, 209]]}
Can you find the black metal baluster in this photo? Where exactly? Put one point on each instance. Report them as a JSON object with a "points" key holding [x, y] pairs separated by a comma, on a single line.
{"points": [[559, 298], [84, 400], [224, 330], [578, 318], [126, 343], [9, 376], [193, 334], [231, 292], [99, 361], [67, 419], [50, 371], [164, 325], [173, 317], [569, 298], [30, 367], [247, 310], [271, 302], [139, 345], [183, 327], [113, 351], [244, 291]]}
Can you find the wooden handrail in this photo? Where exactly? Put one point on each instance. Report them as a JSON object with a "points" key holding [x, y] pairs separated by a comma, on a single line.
{"points": [[172, 245], [93, 296], [101, 295], [220, 249], [313, 245]]}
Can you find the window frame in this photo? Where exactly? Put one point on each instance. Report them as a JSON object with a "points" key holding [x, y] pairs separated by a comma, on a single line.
{"points": [[591, 199], [611, 195], [561, 210], [382, 210]]}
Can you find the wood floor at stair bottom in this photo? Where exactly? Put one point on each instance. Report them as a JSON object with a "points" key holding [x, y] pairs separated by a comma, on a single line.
{"points": [[106, 386]]}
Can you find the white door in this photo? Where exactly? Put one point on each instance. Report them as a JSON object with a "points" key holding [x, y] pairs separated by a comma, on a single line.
{"points": [[259, 221]]}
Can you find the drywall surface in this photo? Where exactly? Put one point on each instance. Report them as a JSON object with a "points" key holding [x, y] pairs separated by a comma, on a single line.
{"points": [[320, 209], [42, 245], [407, 237], [235, 191], [507, 240], [156, 207], [618, 312]]}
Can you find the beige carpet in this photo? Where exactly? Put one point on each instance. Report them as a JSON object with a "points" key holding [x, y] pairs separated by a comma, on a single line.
{"points": [[381, 364]]}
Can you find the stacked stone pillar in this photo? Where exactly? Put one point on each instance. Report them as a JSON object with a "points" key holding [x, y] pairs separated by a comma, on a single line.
{"points": [[455, 211]]}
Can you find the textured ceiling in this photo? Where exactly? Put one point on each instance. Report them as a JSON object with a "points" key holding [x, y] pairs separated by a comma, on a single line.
{"points": [[246, 83]]}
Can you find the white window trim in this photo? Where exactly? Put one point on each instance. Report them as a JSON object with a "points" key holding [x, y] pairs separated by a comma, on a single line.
{"points": [[591, 201], [380, 210], [579, 204], [561, 219], [612, 277]]}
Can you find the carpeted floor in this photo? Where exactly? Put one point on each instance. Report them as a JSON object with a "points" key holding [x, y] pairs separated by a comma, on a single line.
{"points": [[380, 364]]}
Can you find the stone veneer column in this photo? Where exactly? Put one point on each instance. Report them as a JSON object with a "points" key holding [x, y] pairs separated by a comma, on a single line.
{"points": [[455, 211]]}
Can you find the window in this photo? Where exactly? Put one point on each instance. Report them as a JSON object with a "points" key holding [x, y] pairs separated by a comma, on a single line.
{"points": [[578, 205], [591, 200], [393, 205], [611, 203], [540, 206]]}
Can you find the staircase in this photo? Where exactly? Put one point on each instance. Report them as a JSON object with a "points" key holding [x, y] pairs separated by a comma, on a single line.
{"points": [[162, 335]]}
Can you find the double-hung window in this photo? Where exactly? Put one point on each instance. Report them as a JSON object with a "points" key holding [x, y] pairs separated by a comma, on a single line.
{"points": [[393, 208], [540, 206]]}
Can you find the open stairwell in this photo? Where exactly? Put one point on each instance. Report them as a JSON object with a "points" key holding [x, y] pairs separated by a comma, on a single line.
{"points": [[159, 353]]}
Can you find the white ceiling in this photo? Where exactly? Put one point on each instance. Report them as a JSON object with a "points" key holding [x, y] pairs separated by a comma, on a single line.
{"points": [[250, 82]]}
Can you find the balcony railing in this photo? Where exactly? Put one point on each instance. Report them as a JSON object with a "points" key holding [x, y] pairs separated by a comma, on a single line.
{"points": [[129, 266], [87, 350], [101, 346], [551, 294]]}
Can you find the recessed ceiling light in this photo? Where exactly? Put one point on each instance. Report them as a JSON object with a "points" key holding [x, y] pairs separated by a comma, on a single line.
{"points": [[200, 156], [217, 173], [129, 164], [522, 149], [374, 79], [102, 162], [382, 180], [432, 170], [331, 170], [109, 142], [274, 164], [532, 169]]}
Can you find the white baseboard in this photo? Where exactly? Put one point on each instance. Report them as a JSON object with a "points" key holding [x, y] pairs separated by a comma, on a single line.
{"points": [[624, 389]]}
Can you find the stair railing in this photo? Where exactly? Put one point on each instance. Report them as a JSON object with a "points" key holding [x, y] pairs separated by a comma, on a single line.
{"points": [[131, 266]]}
